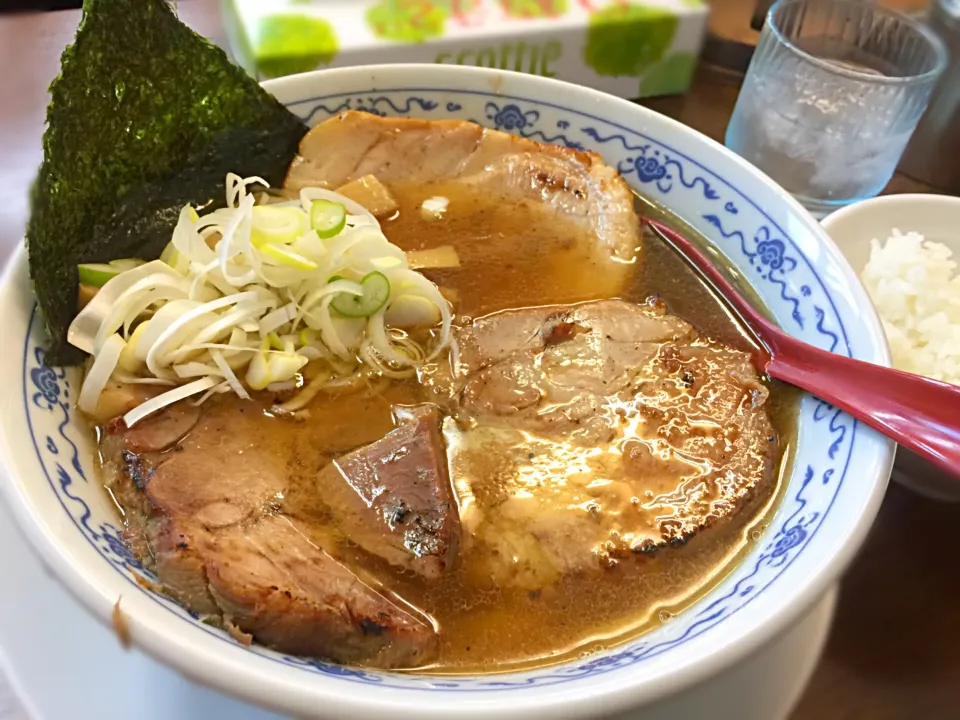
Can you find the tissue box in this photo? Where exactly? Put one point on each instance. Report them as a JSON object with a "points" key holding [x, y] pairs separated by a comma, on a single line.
{"points": [[623, 47]]}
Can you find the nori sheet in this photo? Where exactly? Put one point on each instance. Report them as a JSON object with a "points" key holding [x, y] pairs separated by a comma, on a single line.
{"points": [[145, 117]]}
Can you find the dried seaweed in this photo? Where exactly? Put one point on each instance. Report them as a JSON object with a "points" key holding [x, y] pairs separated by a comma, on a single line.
{"points": [[145, 116]]}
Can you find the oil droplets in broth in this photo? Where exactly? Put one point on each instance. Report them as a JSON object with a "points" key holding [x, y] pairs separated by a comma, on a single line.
{"points": [[510, 259], [512, 254]]}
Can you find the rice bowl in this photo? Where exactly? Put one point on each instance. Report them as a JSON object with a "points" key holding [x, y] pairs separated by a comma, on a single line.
{"points": [[913, 283], [935, 218]]}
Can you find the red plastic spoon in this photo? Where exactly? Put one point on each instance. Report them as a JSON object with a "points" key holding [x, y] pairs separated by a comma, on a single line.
{"points": [[920, 414]]}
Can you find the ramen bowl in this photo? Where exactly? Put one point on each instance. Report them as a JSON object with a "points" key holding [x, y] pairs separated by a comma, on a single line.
{"points": [[834, 479]]}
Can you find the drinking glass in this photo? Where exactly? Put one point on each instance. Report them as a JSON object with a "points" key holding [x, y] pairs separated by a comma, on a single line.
{"points": [[832, 96]]}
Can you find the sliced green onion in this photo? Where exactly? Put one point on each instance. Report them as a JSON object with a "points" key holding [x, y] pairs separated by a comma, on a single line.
{"points": [[411, 311], [228, 373], [97, 274], [258, 371], [168, 398], [276, 319], [286, 257], [126, 264], [276, 225], [129, 362], [286, 366], [376, 291], [309, 245], [99, 373], [170, 255], [270, 296], [327, 218]]}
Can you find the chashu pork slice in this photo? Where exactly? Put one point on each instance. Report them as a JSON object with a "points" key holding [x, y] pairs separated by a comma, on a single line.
{"points": [[594, 432], [566, 184], [203, 499], [393, 497]]}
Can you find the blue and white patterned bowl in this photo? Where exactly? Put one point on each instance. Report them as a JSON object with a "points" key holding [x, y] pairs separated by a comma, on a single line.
{"points": [[839, 467]]}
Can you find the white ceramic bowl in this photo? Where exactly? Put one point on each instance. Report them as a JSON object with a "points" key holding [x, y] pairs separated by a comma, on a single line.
{"points": [[937, 218], [838, 473]]}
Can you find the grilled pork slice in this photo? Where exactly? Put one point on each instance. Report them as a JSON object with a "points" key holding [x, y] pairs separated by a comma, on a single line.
{"points": [[592, 432], [393, 497], [203, 499], [566, 184]]}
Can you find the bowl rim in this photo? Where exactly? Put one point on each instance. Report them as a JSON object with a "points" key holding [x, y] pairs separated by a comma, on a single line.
{"points": [[219, 669], [899, 201]]}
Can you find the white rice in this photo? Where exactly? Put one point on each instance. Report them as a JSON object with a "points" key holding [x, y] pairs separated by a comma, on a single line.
{"points": [[915, 289]]}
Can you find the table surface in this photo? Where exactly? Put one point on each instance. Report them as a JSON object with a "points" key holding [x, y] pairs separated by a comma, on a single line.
{"points": [[894, 651]]}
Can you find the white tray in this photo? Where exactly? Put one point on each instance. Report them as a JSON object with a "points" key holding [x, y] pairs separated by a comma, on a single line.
{"points": [[61, 664]]}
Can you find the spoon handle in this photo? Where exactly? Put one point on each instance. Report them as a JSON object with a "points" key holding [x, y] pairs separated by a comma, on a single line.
{"points": [[920, 414]]}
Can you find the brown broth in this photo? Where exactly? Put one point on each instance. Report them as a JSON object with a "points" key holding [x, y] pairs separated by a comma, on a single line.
{"points": [[509, 629], [511, 257]]}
